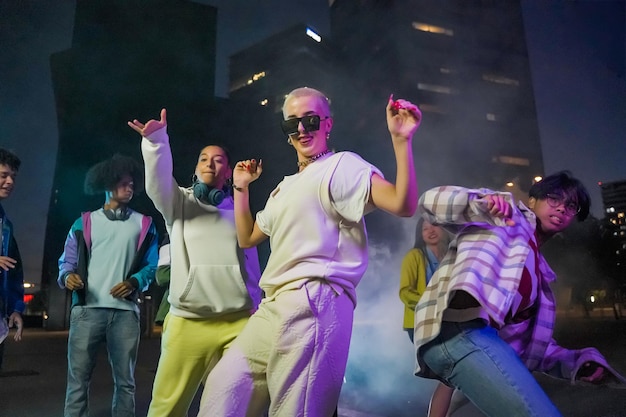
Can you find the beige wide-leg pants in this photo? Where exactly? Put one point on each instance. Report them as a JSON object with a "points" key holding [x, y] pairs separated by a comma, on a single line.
{"points": [[291, 354]]}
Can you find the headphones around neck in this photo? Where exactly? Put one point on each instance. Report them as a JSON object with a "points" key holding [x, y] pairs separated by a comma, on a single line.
{"points": [[207, 194], [120, 213]]}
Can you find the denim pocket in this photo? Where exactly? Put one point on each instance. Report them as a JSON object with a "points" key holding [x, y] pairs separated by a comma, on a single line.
{"points": [[78, 313]]}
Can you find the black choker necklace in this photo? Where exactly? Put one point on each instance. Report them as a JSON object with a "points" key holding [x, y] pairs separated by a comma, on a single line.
{"points": [[314, 158]]}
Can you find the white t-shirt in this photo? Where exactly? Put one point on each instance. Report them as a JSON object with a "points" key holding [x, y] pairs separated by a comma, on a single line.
{"points": [[314, 220]]}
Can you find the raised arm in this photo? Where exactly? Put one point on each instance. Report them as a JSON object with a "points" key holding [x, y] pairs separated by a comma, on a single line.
{"points": [[248, 232], [403, 119], [155, 148], [452, 205]]}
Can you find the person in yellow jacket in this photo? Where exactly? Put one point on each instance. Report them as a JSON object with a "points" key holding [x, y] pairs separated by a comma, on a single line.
{"points": [[418, 266]]}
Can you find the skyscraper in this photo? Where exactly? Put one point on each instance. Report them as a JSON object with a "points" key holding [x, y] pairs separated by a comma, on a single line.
{"points": [[614, 201], [465, 63]]}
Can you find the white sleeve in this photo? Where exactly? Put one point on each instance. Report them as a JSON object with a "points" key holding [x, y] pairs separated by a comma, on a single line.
{"points": [[164, 255], [350, 186], [161, 186], [262, 222]]}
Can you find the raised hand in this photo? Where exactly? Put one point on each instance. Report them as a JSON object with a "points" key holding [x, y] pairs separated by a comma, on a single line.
{"points": [[403, 118], [151, 126], [246, 172], [498, 206]]}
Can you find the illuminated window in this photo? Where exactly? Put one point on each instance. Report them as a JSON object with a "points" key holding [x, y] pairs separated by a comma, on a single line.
{"points": [[500, 79], [511, 160], [264, 102], [445, 70], [313, 35], [243, 83], [442, 89], [491, 117], [424, 27], [258, 76]]}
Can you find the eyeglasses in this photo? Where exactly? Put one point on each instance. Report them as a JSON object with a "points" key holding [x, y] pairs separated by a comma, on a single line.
{"points": [[310, 123], [571, 208]]}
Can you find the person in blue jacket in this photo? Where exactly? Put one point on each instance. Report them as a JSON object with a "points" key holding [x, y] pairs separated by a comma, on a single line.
{"points": [[110, 257], [11, 273]]}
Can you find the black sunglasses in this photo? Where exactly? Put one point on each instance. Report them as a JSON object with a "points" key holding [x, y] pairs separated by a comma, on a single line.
{"points": [[310, 123]]}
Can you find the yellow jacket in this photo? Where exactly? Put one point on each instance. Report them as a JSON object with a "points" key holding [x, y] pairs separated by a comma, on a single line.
{"points": [[412, 283]]}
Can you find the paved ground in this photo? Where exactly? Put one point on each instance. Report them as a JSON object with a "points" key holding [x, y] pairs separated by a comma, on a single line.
{"points": [[33, 381]]}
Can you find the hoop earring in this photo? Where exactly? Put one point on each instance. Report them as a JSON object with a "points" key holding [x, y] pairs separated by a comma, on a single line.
{"points": [[289, 141], [194, 178]]}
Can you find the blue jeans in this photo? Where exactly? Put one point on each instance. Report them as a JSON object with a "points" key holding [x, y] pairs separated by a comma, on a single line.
{"points": [[89, 329], [471, 357]]}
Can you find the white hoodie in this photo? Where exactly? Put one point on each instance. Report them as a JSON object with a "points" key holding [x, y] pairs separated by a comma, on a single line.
{"points": [[210, 275]]}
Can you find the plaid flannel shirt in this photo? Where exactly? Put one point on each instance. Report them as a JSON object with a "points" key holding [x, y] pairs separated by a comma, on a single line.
{"points": [[486, 259]]}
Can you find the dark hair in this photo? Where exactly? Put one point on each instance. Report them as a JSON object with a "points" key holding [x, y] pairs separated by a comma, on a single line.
{"points": [[563, 183], [9, 159], [419, 238], [222, 147], [104, 176]]}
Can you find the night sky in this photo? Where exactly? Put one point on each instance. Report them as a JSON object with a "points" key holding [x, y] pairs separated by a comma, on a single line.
{"points": [[577, 53]]}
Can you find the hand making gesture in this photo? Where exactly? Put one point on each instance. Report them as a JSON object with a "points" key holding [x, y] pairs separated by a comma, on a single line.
{"points": [[246, 172], [151, 126], [499, 207], [403, 118]]}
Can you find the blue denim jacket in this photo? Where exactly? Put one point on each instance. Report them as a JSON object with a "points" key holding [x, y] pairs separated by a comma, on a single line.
{"points": [[12, 281]]}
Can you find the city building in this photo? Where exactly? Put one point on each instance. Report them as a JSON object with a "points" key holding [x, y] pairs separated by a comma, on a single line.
{"points": [[465, 63], [126, 61], [614, 201], [266, 71]]}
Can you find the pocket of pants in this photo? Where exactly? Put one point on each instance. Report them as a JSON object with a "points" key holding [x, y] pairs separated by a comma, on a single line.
{"points": [[77, 314]]}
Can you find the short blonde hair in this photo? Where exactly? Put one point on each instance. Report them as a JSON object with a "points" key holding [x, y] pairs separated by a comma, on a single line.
{"points": [[308, 92]]}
